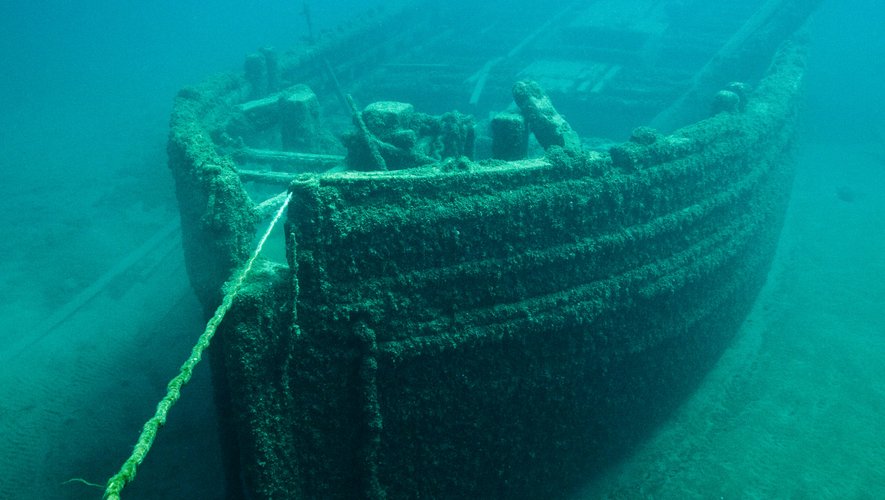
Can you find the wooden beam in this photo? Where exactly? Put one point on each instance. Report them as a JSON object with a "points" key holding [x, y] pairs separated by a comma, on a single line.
{"points": [[292, 161]]}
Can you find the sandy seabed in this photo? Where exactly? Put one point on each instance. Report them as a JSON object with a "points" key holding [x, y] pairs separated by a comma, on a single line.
{"points": [[97, 317]]}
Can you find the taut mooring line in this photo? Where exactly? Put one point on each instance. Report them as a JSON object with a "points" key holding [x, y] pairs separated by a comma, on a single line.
{"points": [[127, 471]]}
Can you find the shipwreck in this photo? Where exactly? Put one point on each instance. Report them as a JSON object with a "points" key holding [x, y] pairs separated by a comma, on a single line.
{"points": [[513, 240]]}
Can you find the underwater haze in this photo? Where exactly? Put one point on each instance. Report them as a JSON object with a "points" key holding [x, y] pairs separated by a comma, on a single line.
{"points": [[98, 313]]}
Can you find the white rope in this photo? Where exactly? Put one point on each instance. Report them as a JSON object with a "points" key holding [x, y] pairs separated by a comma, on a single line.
{"points": [[127, 471]]}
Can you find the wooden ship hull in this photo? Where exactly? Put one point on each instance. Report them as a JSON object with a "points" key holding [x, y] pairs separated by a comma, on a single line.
{"points": [[481, 328]]}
